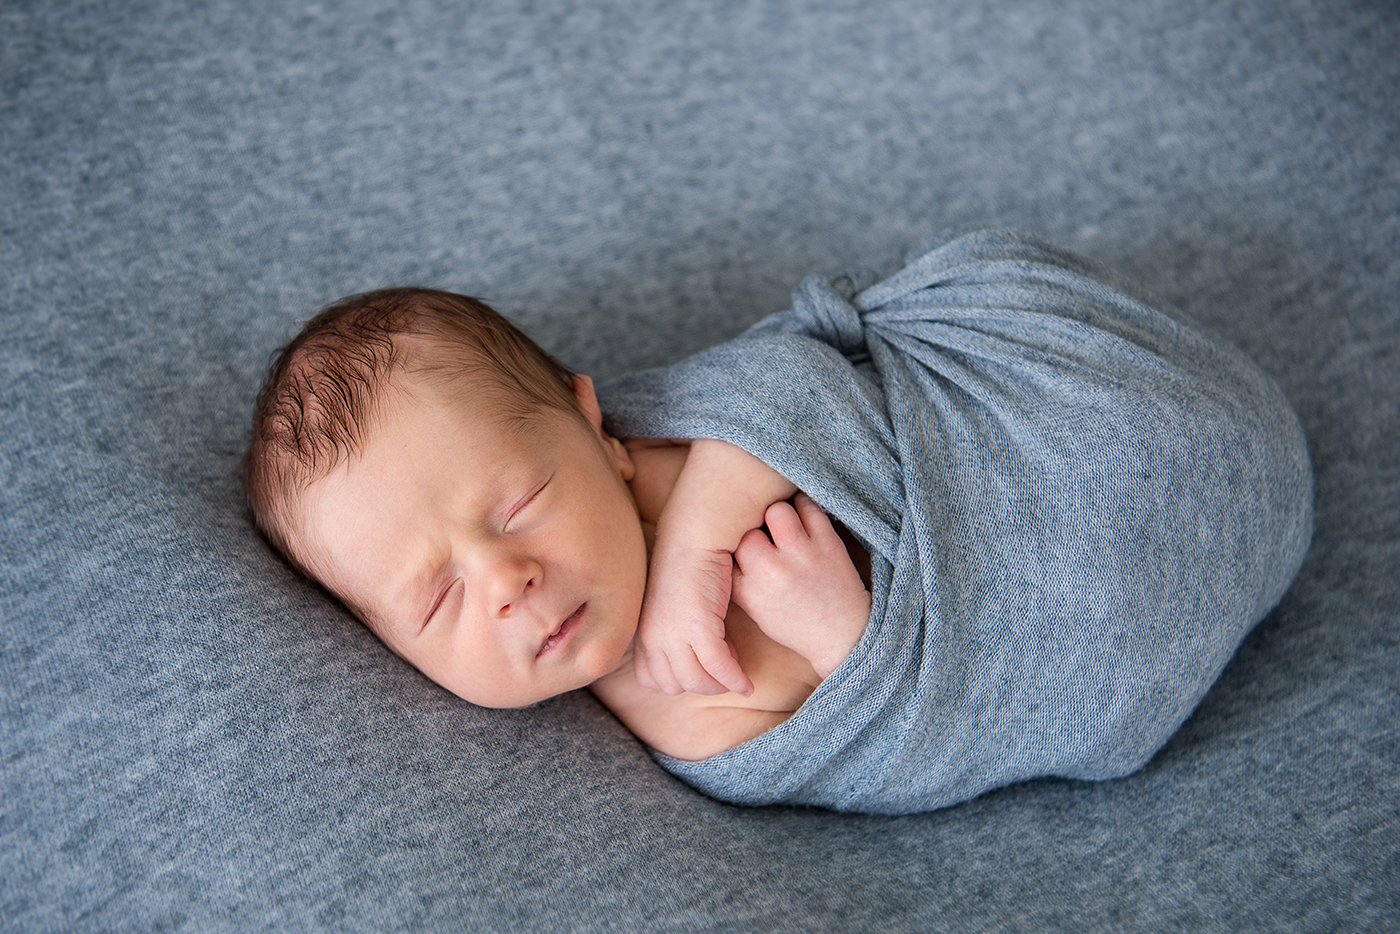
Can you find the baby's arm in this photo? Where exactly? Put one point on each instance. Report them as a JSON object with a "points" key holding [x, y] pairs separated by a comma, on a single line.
{"points": [[801, 587], [722, 493]]}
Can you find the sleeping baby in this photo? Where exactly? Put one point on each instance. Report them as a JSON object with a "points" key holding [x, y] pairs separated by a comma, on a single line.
{"points": [[1057, 512]]}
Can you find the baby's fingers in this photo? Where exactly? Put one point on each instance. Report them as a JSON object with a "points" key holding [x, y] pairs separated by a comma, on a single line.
{"points": [[753, 548], [653, 671], [784, 524], [814, 518], [680, 671], [721, 664], [691, 676]]}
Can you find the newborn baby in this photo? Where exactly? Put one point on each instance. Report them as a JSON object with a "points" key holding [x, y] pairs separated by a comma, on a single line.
{"points": [[1065, 509], [454, 487]]}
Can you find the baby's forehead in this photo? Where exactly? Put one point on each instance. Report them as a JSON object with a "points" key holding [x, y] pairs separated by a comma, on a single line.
{"points": [[472, 393], [468, 415]]}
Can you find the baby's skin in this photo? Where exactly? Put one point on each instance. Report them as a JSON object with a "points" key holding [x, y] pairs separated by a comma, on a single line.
{"points": [[508, 562], [779, 610], [709, 540]]}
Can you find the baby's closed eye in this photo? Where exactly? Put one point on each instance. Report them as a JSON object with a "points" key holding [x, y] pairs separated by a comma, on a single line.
{"points": [[526, 507], [443, 605]]}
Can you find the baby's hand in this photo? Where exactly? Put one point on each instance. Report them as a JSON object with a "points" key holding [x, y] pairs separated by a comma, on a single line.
{"points": [[681, 644], [800, 586], [721, 493]]}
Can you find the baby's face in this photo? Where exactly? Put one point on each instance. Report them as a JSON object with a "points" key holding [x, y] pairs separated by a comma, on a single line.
{"points": [[505, 563]]}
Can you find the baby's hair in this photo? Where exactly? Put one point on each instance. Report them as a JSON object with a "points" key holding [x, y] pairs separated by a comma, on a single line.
{"points": [[322, 387]]}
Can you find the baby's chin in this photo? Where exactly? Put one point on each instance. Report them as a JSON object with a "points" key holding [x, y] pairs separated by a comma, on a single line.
{"points": [[621, 668], [605, 664]]}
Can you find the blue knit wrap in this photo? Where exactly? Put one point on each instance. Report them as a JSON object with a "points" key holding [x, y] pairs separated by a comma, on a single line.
{"points": [[1076, 507]]}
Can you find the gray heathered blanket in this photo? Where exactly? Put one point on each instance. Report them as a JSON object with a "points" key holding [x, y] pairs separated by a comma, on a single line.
{"points": [[1076, 507]]}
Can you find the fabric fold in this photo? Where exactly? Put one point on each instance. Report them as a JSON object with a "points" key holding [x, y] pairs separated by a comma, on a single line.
{"points": [[1076, 507]]}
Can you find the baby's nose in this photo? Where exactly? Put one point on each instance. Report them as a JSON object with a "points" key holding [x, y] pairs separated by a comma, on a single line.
{"points": [[510, 578]]}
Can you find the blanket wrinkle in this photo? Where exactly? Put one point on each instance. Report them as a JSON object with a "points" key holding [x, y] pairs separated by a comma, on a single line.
{"points": [[1076, 507]]}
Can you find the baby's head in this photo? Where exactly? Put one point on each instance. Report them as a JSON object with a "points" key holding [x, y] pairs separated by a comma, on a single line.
{"points": [[452, 484]]}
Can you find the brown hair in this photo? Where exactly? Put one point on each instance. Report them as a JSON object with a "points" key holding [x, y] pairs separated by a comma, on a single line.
{"points": [[322, 386]]}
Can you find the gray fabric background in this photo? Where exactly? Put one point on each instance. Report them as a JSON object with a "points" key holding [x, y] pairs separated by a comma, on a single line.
{"points": [[194, 740]]}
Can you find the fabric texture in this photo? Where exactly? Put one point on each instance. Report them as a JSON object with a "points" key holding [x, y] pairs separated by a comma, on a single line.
{"points": [[193, 739], [1075, 506]]}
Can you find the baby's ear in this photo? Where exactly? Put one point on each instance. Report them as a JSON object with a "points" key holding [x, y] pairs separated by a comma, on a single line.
{"points": [[582, 387], [588, 403]]}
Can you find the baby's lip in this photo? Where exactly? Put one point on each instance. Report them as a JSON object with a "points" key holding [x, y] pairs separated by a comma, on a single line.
{"points": [[561, 632]]}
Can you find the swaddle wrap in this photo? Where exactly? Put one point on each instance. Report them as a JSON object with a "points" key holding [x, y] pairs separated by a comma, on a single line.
{"points": [[1075, 506]]}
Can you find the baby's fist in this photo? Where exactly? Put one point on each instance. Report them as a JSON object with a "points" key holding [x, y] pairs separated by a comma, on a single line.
{"points": [[800, 586]]}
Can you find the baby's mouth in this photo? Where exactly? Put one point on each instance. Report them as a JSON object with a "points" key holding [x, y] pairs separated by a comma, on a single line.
{"points": [[557, 637]]}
